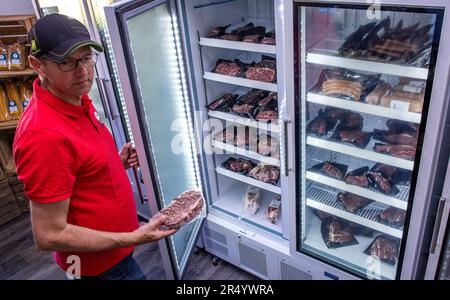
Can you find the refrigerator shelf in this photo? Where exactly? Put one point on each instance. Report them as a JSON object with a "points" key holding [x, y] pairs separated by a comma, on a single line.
{"points": [[268, 126], [247, 153], [370, 194], [326, 200], [233, 202], [365, 264], [365, 108], [272, 87], [246, 179], [367, 66], [361, 153], [234, 45]]}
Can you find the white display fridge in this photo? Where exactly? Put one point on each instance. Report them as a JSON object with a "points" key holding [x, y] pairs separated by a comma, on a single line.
{"points": [[264, 106]]}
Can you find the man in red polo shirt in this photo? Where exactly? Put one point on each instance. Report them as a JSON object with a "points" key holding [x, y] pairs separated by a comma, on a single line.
{"points": [[82, 204]]}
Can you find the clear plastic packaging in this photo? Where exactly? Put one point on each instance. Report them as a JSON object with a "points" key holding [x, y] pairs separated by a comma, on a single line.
{"points": [[251, 200]]}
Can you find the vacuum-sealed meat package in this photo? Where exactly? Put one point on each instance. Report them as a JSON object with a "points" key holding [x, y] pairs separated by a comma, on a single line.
{"points": [[239, 165], [357, 138], [401, 151], [264, 74], [230, 68], [274, 209], [183, 209], [224, 103], [251, 200], [320, 125], [269, 38], [330, 169], [351, 202], [268, 146], [392, 216], [336, 233], [408, 139], [382, 183], [395, 175], [384, 248], [398, 127], [358, 177], [217, 31], [266, 173]]}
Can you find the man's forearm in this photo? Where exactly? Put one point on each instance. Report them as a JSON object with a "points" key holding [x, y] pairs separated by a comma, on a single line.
{"points": [[81, 239]]}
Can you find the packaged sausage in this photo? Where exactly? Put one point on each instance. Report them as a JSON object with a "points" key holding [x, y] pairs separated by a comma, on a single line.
{"points": [[251, 200], [3, 58], [13, 98], [4, 112], [17, 57]]}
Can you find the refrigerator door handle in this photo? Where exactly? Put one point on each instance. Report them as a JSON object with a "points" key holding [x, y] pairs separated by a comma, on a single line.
{"points": [[286, 168], [437, 224], [101, 91]]}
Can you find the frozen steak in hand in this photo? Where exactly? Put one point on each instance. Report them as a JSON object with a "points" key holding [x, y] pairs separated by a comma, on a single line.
{"points": [[183, 209]]}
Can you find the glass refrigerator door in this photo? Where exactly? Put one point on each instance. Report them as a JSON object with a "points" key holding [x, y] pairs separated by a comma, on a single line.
{"points": [[364, 81], [152, 71]]}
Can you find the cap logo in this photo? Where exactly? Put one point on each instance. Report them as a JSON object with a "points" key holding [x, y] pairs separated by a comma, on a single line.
{"points": [[33, 45]]}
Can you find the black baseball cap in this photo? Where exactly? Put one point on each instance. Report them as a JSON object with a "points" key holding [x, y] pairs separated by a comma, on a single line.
{"points": [[56, 36]]}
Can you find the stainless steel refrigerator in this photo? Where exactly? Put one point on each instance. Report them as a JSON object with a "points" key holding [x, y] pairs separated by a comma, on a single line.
{"points": [[351, 103]]}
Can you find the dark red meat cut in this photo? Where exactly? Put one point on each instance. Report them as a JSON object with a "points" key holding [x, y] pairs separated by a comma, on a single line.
{"points": [[230, 37], [254, 38], [267, 115], [393, 216], [331, 170], [268, 41], [261, 74], [402, 151], [183, 209], [385, 248], [228, 68], [352, 203]]}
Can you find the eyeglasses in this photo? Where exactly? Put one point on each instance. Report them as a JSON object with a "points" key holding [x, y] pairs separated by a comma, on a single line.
{"points": [[71, 64]]}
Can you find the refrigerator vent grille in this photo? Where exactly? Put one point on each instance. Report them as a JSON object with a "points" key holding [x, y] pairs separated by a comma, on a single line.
{"points": [[288, 272], [253, 259], [316, 156], [212, 234], [216, 248]]}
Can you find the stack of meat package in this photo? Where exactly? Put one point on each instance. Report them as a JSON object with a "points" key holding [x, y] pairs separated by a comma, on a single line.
{"points": [[265, 70], [256, 104], [248, 33]]}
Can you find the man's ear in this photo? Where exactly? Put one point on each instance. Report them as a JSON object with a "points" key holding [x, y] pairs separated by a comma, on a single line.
{"points": [[37, 65]]}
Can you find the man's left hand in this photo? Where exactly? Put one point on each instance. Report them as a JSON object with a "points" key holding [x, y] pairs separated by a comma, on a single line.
{"points": [[129, 156]]}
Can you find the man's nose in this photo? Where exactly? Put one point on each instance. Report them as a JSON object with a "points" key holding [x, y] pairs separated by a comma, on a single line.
{"points": [[80, 68]]}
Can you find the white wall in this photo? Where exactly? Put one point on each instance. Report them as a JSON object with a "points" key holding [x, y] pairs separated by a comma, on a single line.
{"points": [[17, 7]]}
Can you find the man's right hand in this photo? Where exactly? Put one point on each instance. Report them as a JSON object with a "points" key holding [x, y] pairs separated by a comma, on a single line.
{"points": [[151, 232]]}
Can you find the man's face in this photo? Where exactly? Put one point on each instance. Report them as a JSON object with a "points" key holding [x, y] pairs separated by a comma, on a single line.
{"points": [[73, 83]]}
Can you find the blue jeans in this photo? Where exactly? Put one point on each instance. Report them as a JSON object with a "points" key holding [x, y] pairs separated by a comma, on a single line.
{"points": [[126, 269]]}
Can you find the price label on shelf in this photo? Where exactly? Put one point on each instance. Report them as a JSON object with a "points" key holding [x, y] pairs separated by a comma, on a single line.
{"points": [[400, 105]]}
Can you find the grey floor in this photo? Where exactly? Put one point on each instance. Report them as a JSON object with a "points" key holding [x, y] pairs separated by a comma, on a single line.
{"points": [[19, 259]]}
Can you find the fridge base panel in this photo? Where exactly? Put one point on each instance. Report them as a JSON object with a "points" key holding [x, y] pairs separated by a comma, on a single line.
{"points": [[362, 263], [260, 253]]}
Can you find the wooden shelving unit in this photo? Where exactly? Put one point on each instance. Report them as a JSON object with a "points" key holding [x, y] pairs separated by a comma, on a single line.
{"points": [[27, 72], [4, 125]]}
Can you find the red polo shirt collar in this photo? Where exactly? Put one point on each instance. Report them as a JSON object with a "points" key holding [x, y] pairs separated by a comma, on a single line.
{"points": [[59, 104]]}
